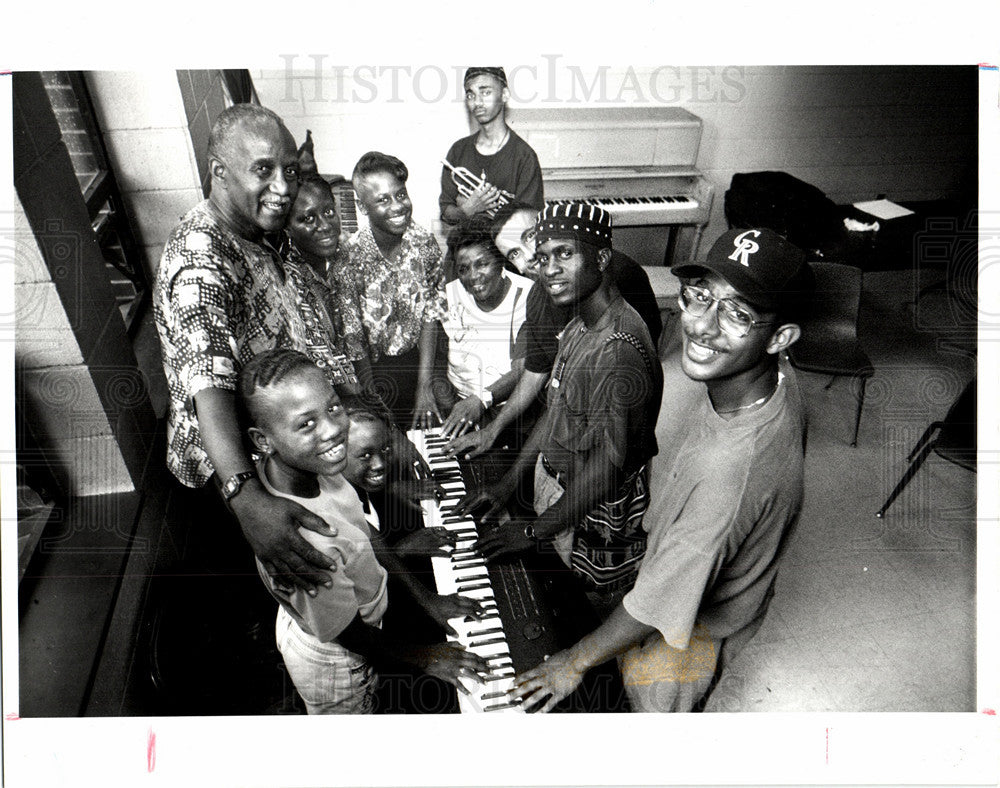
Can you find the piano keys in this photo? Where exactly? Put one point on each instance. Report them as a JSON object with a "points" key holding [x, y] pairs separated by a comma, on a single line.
{"points": [[530, 612], [343, 195]]}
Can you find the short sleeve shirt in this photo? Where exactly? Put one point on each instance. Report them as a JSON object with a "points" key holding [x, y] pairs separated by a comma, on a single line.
{"points": [[218, 301], [604, 392], [724, 498], [514, 169], [482, 344], [395, 298], [359, 583]]}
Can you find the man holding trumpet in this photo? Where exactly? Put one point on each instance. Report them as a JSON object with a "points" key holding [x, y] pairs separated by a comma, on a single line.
{"points": [[494, 166]]}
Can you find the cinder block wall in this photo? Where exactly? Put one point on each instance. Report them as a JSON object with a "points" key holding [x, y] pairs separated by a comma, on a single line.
{"points": [[148, 137], [79, 390]]}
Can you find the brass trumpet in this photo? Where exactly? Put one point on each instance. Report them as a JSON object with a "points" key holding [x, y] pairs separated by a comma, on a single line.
{"points": [[467, 183]]}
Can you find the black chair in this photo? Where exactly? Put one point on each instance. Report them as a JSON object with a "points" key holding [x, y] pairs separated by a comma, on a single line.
{"points": [[829, 343], [954, 439]]}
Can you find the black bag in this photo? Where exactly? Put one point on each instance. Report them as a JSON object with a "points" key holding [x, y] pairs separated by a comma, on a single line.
{"points": [[781, 202]]}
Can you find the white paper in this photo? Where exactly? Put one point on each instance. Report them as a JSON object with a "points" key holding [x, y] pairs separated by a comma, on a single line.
{"points": [[883, 209]]}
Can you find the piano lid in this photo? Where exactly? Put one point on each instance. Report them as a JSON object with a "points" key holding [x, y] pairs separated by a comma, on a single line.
{"points": [[588, 137]]}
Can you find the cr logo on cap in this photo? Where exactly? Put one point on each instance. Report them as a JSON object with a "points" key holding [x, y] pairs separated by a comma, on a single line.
{"points": [[744, 247]]}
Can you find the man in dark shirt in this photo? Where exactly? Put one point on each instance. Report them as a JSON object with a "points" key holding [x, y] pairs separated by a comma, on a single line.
{"points": [[504, 163], [591, 448], [514, 235]]}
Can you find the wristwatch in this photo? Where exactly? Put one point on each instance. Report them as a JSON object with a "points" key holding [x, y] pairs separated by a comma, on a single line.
{"points": [[234, 484], [486, 397]]}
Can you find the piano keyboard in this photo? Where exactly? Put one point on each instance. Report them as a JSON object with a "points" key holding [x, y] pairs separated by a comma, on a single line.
{"points": [[465, 572], [343, 191], [651, 209], [534, 608]]}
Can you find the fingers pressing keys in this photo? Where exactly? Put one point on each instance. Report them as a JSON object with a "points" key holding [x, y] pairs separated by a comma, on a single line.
{"points": [[464, 573]]}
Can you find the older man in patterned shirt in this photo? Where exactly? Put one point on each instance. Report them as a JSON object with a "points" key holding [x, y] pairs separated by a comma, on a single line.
{"points": [[221, 297]]}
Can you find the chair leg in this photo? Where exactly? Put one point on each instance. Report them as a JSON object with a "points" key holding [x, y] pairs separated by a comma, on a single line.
{"points": [[923, 439], [911, 471], [857, 416]]}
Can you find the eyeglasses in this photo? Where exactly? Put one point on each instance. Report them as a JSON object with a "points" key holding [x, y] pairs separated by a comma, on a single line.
{"points": [[733, 318]]}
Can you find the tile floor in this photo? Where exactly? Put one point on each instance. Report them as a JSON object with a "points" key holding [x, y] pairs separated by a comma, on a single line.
{"points": [[868, 614]]}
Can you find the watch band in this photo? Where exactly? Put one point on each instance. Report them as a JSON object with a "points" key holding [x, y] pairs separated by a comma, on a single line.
{"points": [[232, 486]]}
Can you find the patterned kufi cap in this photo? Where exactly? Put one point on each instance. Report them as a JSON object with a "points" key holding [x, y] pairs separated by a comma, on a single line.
{"points": [[581, 220]]}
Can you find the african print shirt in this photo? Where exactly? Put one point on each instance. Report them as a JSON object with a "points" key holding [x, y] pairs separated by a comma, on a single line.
{"points": [[218, 301], [325, 304], [395, 298]]}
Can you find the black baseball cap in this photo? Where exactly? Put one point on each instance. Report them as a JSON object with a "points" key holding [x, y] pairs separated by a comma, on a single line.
{"points": [[766, 269]]}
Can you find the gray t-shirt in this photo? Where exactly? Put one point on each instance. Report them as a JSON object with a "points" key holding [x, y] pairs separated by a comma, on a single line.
{"points": [[725, 495]]}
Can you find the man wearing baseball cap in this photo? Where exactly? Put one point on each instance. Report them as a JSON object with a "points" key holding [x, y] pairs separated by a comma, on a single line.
{"points": [[504, 165], [726, 486], [591, 447]]}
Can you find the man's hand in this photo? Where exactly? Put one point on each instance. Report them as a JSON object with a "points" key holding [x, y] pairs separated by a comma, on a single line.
{"points": [[426, 542], [472, 444], [463, 417], [504, 539], [412, 491], [494, 496], [450, 662], [484, 197], [443, 608], [270, 524], [554, 679], [425, 409], [407, 455]]}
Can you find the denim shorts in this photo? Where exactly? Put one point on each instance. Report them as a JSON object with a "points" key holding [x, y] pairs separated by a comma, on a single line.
{"points": [[328, 677]]}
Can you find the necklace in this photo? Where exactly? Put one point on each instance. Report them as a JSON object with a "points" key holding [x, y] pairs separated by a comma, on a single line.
{"points": [[753, 404], [499, 146]]}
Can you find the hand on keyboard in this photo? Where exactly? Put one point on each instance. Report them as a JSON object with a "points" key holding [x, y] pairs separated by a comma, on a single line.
{"points": [[426, 541], [425, 409], [463, 417], [494, 497], [472, 444], [503, 539], [442, 608], [406, 455], [549, 681], [413, 491], [452, 663]]}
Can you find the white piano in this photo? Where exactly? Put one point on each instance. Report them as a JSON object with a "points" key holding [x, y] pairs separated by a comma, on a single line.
{"points": [[639, 163]]}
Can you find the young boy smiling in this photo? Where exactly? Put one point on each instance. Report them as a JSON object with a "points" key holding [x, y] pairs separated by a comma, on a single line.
{"points": [[396, 276], [327, 641]]}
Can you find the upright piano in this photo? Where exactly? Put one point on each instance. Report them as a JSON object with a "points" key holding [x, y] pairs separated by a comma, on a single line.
{"points": [[639, 163]]}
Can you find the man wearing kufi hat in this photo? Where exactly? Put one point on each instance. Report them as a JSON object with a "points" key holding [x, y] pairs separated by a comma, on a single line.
{"points": [[592, 445], [504, 165], [726, 486]]}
